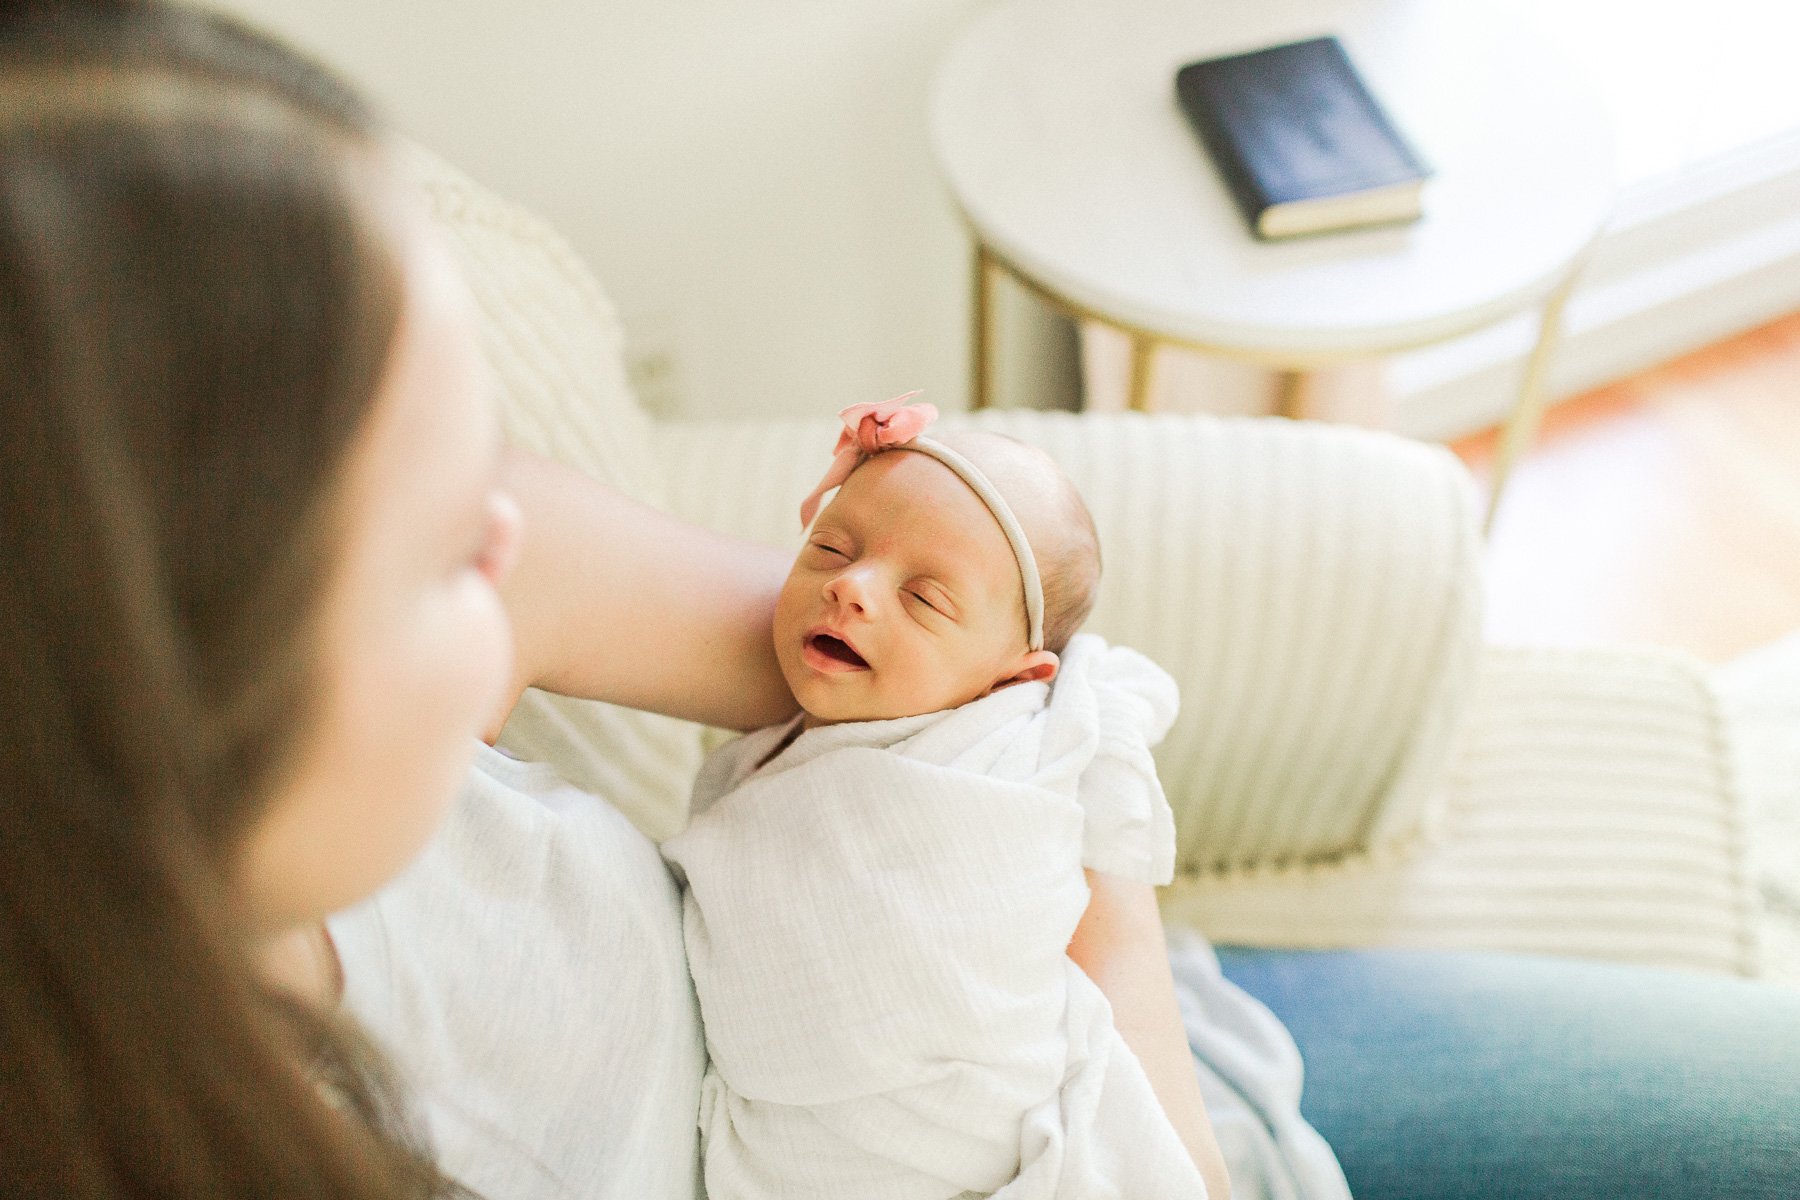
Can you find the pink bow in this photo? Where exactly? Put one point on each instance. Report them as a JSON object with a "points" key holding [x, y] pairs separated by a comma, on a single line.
{"points": [[868, 430]]}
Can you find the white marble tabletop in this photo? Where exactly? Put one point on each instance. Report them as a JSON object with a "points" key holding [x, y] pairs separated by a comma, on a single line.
{"points": [[1056, 127]]}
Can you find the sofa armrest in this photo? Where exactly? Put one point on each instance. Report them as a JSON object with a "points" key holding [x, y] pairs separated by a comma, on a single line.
{"points": [[1313, 589]]}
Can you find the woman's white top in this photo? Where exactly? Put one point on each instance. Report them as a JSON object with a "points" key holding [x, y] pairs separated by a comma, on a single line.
{"points": [[526, 975]]}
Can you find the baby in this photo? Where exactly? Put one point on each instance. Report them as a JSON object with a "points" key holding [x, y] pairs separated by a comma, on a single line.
{"points": [[880, 893]]}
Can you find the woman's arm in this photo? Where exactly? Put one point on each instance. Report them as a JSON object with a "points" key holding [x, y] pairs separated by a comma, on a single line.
{"points": [[612, 600], [1119, 943]]}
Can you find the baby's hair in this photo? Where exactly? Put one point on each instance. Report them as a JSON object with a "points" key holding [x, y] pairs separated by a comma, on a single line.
{"points": [[1070, 567], [1071, 572]]}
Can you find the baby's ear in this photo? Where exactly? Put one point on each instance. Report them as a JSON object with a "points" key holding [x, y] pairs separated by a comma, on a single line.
{"points": [[1039, 666]]}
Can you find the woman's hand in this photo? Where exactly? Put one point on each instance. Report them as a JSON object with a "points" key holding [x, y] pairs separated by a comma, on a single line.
{"points": [[1119, 943], [612, 600]]}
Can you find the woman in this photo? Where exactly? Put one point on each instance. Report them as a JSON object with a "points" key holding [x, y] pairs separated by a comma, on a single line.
{"points": [[222, 333], [256, 605]]}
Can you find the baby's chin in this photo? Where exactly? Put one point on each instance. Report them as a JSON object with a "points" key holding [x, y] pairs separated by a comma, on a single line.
{"points": [[817, 705], [830, 701], [824, 706], [827, 709]]}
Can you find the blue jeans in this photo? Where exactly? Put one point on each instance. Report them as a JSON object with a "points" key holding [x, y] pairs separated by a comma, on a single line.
{"points": [[1442, 1075]]}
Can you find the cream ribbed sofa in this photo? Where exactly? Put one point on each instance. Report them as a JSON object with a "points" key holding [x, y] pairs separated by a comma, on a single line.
{"points": [[1351, 765]]}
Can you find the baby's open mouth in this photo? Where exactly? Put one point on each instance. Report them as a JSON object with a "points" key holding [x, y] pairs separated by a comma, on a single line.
{"points": [[836, 649]]}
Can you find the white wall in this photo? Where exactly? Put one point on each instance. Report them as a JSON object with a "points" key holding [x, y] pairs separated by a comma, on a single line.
{"points": [[751, 179]]}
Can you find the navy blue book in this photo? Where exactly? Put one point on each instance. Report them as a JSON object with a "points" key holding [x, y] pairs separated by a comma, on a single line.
{"points": [[1302, 145]]}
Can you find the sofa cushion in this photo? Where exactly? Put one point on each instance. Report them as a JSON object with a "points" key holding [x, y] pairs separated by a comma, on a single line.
{"points": [[1761, 695], [1590, 811]]}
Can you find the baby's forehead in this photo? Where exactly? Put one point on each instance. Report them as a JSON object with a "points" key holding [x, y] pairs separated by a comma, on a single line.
{"points": [[1000, 457], [911, 500], [1029, 481], [912, 496]]}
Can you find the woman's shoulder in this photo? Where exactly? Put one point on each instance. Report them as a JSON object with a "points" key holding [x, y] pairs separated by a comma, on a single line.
{"points": [[527, 966]]}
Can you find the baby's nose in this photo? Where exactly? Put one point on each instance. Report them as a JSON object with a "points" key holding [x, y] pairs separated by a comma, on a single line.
{"points": [[850, 589]]}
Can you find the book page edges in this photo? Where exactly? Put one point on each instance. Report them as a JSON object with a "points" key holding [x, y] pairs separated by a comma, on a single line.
{"points": [[1380, 206]]}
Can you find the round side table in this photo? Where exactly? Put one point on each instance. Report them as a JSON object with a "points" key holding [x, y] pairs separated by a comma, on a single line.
{"points": [[1056, 127]]}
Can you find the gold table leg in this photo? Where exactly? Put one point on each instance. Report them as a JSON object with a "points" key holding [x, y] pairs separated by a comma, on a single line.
{"points": [[1290, 394], [981, 308], [1140, 395], [1528, 410]]}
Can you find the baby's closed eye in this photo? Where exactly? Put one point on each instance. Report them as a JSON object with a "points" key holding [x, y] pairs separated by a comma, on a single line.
{"points": [[931, 601]]}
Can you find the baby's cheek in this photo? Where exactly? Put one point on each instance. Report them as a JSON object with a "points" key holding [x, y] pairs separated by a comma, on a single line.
{"points": [[968, 676], [787, 656]]}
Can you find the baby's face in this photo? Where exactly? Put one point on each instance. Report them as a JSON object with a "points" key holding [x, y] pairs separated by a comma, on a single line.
{"points": [[905, 600]]}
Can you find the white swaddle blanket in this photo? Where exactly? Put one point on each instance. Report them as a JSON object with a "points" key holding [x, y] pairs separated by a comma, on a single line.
{"points": [[876, 923]]}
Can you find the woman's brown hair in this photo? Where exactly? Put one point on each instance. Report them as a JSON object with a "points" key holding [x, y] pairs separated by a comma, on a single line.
{"points": [[196, 302]]}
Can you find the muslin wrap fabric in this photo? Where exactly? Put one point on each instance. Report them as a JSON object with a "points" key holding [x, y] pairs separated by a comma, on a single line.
{"points": [[876, 922]]}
